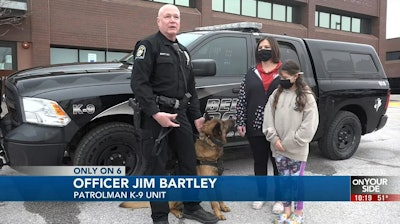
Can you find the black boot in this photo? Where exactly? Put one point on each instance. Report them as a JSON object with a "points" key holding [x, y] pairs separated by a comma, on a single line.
{"points": [[161, 222], [200, 215]]}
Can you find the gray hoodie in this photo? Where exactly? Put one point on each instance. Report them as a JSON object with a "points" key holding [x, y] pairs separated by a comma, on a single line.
{"points": [[295, 129]]}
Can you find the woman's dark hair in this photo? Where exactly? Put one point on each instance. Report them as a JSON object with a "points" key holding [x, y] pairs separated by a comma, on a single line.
{"points": [[292, 68], [275, 53]]}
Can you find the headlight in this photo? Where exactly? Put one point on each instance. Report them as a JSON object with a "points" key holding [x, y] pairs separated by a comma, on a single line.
{"points": [[46, 112]]}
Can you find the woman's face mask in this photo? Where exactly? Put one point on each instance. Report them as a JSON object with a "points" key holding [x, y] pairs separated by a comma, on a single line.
{"points": [[264, 55]]}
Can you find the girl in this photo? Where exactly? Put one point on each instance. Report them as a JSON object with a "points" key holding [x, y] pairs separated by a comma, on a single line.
{"points": [[290, 122]]}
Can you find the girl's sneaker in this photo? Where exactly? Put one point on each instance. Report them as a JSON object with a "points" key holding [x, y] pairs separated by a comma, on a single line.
{"points": [[295, 219], [280, 219], [278, 208], [257, 205]]}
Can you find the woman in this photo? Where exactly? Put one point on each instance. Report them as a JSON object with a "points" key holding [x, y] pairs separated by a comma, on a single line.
{"points": [[290, 122], [257, 86]]}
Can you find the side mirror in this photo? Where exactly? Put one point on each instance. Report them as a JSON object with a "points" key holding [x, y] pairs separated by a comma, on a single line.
{"points": [[204, 67]]}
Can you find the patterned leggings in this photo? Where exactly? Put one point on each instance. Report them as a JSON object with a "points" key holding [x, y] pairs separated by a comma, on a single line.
{"points": [[290, 167]]}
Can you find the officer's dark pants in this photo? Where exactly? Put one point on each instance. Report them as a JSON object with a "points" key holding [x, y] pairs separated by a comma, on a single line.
{"points": [[179, 142]]}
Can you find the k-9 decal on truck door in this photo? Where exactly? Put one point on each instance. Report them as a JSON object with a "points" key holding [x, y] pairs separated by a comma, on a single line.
{"points": [[79, 109]]}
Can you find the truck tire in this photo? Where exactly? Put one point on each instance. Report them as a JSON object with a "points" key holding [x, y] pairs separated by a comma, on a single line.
{"points": [[110, 144], [342, 137]]}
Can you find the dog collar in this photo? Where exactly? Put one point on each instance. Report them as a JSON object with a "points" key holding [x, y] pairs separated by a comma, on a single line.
{"points": [[214, 141]]}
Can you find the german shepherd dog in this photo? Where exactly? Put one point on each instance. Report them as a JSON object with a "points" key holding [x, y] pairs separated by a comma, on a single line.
{"points": [[209, 151]]}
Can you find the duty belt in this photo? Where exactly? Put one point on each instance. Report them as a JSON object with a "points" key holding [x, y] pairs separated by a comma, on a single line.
{"points": [[167, 101], [173, 102]]}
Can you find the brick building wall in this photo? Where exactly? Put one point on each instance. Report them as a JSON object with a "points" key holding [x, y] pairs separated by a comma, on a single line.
{"points": [[392, 67]]}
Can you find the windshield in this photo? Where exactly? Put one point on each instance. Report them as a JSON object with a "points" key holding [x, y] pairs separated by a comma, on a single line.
{"points": [[187, 38], [127, 59], [184, 38]]}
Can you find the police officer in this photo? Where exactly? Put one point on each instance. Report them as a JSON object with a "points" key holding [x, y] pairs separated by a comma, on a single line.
{"points": [[164, 86]]}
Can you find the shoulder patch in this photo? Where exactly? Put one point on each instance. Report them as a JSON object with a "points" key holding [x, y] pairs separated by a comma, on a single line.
{"points": [[141, 52]]}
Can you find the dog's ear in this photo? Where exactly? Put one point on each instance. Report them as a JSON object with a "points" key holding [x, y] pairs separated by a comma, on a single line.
{"points": [[230, 125], [206, 116], [217, 129], [206, 127]]}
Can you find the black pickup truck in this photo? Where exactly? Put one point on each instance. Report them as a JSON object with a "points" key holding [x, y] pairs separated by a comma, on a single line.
{"points": [[80, 112]]}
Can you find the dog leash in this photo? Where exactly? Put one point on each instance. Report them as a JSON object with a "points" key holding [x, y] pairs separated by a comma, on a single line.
{"points": [[157, 143], [163, 133]]}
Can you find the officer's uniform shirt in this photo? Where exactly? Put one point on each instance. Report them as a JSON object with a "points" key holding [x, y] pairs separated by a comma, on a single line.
{"points": [[157, 70]]}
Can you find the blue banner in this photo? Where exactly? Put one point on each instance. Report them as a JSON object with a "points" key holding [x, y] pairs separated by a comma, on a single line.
{"points": [[174, 188]]}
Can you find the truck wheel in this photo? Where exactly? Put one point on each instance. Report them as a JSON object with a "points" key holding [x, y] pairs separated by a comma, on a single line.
{"points": [[342, 137], [110, 144]]}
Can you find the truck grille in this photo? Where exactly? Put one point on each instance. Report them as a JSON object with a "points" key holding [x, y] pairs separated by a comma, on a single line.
{"points": [[13, 105]]}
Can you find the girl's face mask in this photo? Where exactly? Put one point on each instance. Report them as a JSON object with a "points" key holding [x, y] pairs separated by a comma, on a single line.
{"points": [[285, 83]]}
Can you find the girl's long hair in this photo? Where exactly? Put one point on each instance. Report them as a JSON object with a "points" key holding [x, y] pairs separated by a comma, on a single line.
{"points": [[292, 68]]}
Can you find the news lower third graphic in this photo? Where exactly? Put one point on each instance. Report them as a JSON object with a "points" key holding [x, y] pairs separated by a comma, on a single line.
{"points": [[109, 183], [375, 188], [71, 170]]}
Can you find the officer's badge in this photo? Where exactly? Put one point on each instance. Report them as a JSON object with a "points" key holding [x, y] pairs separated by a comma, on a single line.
{"points": [[141, 51]]}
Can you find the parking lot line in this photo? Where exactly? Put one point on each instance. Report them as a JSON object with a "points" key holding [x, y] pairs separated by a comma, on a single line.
{"points": [[394, 104]]}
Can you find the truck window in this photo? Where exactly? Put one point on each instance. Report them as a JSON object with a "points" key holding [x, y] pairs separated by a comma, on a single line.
{"points": [[346, 62], [363, 63], [288, 52], [337, 61], [229, 53]]}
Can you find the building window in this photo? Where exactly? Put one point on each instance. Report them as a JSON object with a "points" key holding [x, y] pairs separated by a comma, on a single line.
{"points": [[218, 5], [390, 56], [264, 10], [341, 22], [355, 25], [92, 56], [8, 57], [323, 20], [346, 23], [232, 6], [68, 55], [289, 14], [187, 3], [255, 8], [335, 22], [278, 12], [63, 55], [249, 8]]}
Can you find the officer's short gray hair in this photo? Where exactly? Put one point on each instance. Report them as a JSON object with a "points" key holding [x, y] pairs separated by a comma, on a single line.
{"points": [[160, 11]]}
